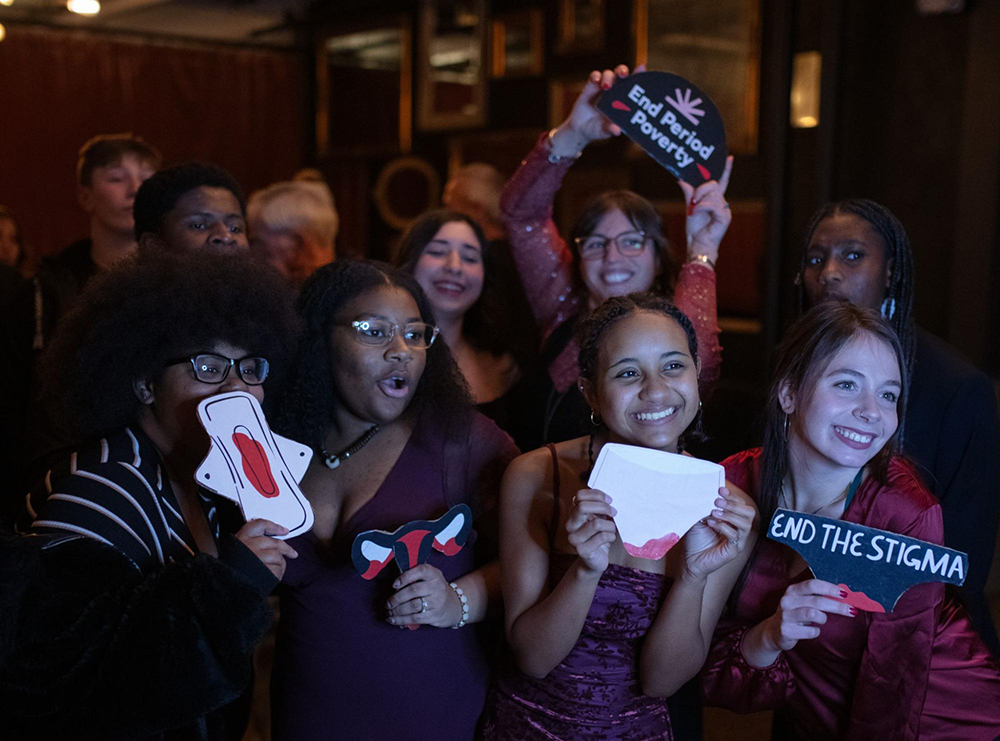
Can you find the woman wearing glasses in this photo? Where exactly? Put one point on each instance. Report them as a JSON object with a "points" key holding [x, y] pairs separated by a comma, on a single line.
{"points": [[384, 406], [619, 249], [152, 592]]}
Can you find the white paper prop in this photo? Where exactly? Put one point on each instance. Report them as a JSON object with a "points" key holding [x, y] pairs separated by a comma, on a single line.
{"points": [[251, 465], [659, 496]]}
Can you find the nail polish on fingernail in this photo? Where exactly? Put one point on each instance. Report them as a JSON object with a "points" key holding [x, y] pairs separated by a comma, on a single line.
{"points": [[717, 512], [607, 499], [843, 593], [854, 611], [605, 85], [613, 512]]}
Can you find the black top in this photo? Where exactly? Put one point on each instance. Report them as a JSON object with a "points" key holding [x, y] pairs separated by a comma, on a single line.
{"points": [[117, 628], [951, 433]]}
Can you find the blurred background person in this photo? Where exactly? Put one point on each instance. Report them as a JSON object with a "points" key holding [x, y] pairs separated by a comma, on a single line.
{"points": [[293, 227]]}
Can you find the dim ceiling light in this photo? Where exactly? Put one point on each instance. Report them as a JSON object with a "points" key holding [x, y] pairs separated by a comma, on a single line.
{"points": [[3, 32], [84, 7], [6, 2]]}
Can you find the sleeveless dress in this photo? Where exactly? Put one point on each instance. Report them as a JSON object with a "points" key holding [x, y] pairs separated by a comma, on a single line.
{"points": [[594, 693]]}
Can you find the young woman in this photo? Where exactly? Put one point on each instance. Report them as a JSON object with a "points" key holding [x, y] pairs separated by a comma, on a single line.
{"points": [[141, 612], [396, 440], [856, 250], [616, 247], [599, 637], [920, 671]]}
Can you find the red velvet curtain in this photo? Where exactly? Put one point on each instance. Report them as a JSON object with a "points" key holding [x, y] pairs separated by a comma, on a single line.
{"points": [[243, 109]]}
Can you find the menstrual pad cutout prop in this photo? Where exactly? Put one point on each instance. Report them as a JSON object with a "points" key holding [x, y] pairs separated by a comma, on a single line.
{"points": [[675, 122], [873, 566], [251, 465], [659, 496], [411, 543]]}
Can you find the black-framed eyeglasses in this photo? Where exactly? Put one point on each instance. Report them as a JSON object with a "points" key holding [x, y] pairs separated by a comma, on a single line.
{"points": [[211, 368], [378, 332], [595, 246]]}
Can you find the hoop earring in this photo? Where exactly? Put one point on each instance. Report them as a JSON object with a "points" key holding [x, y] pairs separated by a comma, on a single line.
{"points": [[888, 308], [595, 420]]}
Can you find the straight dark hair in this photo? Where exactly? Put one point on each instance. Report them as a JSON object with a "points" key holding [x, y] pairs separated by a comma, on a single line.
{"points": [[804, 352], [642, 215]]}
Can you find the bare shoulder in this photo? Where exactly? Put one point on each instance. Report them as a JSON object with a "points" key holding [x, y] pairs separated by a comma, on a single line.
{"points": [[530, 468]]}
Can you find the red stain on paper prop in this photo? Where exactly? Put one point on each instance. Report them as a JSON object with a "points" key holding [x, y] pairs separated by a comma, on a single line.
{"points": [[618, 105], [376, 566], [860, 600], [704, 171], [255, 465], [654, 549]]}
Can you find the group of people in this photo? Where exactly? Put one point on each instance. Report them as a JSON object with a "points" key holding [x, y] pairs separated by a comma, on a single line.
{"points": [[133, 599]]}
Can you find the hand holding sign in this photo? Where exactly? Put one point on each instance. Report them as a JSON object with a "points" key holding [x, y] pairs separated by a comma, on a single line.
{"points": [[716, 540], [585, 124], [590, 529], [708, 214]]}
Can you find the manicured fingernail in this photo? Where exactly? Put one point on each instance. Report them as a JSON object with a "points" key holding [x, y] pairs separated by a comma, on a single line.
{"points": [[392, 621], [720, 502], [691, 208], [613, 512], [605, 85], [843, 593], [853, 611], [607, 499], [717, 512], [395, 585]]}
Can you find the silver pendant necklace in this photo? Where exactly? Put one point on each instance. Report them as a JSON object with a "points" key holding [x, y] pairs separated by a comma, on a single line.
{"points": [[332, 461]]}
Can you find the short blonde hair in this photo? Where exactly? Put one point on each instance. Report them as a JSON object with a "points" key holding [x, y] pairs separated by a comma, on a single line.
{"points": [[295, 206]]}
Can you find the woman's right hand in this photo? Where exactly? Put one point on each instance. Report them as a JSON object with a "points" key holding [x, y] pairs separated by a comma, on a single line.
{"points": [[257, 535], [590, 529], [585, 123], [803, 609]]}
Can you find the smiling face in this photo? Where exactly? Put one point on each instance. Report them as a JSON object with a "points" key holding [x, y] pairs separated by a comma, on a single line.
{"points": [[172, 404], [849, 412], [111, 192], [846, 259], [646, 382], [205, 217], [612, 274], [376, 383], [450, 270]]}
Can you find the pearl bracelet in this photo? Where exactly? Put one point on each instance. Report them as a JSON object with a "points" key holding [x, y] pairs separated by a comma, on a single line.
{"points": [[465, 605]]}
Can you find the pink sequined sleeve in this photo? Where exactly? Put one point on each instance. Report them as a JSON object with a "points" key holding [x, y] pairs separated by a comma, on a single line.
{"points": [[542, 257], [695, 296], [728, 681]]}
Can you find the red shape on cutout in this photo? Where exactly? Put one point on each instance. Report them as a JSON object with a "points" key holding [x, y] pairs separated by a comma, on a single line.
{"points": [[449, 549], [860, 600], [654, 549], [374, 567], [255, 465], [412, 541], [704, 171], [618, 105]]}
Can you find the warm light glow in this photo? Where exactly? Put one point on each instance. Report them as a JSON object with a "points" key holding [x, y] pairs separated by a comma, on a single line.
{"points": [[84, 7], [3, 32], [7, 2], [807, 67]]}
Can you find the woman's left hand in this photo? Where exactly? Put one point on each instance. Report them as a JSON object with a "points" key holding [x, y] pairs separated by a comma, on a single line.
{"points": [[423, 597], [708, 214], [717, 539]]}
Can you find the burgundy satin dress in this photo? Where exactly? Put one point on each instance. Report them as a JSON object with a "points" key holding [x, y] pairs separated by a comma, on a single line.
{"points": [[919, 672]]}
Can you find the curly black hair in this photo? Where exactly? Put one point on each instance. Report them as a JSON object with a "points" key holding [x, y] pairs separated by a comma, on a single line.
{"points": [[591, 330], [160, 193], [152, 308], [306, 406]]}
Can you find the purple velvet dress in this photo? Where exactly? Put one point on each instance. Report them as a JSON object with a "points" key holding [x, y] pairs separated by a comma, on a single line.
{"points": [[594, 693], [341, 671]]}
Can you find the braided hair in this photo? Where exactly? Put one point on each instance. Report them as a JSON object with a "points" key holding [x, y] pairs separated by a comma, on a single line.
{"points": [[898, 305], [591, 331]]}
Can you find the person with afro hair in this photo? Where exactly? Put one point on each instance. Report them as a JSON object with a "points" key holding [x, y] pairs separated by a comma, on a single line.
{"points": [[189, 207], [143, 596]]}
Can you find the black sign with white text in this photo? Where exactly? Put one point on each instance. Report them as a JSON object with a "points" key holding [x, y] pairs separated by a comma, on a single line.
{"points": [[874, 566], [675, 122]]}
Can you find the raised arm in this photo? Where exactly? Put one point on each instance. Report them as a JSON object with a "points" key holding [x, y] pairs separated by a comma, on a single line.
{"points": [[542, 256], [708, 219], [715, 551], [544, 624]]}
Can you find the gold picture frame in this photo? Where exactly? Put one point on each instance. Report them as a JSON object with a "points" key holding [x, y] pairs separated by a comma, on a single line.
{"points": [[517, 44]]}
